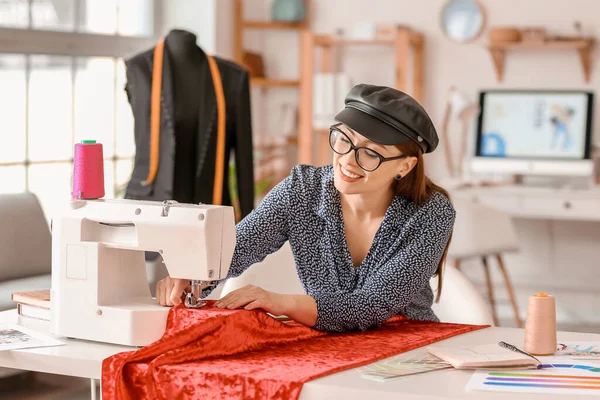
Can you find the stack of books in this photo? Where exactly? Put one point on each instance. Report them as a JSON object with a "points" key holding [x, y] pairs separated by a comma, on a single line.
{"points": [[34, 304]]}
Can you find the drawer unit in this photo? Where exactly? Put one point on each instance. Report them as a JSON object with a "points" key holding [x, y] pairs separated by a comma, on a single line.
{"points": [[584, 209]]}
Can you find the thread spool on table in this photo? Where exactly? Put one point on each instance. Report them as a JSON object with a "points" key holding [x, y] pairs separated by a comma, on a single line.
{"points": [[88, 170], [540, 327]]}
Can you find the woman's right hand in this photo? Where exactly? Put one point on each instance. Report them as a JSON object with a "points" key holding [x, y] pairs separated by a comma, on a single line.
{"points": [[170, 291]]}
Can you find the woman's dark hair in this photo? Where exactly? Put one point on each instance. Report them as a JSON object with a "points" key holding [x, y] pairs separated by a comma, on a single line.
{"points": [[417, 187]]}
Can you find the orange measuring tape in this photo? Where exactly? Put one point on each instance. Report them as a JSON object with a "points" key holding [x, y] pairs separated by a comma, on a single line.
{"points": [[155, 121]]}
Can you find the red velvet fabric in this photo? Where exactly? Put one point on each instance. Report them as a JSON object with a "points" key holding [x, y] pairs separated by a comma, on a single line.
{"points": [[212, 353]]}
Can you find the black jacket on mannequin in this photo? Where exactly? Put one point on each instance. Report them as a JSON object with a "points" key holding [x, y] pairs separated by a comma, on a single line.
{"points": [[188, 125]]}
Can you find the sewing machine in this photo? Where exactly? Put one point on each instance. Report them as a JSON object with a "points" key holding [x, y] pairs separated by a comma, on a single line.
{"points": [[100, 289]]}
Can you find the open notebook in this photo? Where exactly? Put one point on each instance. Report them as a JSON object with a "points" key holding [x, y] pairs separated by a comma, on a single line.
{"points": [[489, 356]]}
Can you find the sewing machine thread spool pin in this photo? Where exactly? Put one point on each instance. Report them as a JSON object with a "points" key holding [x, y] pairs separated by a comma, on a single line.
{"points": [[166, 206]]}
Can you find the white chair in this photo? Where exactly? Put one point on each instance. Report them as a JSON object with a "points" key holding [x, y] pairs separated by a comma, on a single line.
{"points": [[460, 301], [276, 273], [481, 232]]}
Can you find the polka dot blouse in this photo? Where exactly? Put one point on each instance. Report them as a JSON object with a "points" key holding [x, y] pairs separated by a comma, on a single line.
{"points": [[305, 210]]}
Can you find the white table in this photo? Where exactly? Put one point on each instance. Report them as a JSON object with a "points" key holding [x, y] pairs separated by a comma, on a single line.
{"points": [[539, 202], [84, 359]]}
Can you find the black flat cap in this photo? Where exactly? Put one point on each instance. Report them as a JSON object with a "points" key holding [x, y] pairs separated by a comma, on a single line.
{"points": [[388, 116]]}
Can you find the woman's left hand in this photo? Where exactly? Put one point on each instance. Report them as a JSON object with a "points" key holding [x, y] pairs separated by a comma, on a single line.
{"points": [[251, 297]]}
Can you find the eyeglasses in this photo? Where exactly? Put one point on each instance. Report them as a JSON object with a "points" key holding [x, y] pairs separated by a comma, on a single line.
{"points": [[366, 158]]}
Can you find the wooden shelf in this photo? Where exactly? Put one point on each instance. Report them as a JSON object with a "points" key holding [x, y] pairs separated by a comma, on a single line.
{"points": [[553, 44], [266, 82], [334, 41], [273, 25], [584, 47], [328, 40]]}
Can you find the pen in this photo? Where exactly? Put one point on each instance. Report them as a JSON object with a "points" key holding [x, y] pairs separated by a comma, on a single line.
{"points": [[516, 350]]}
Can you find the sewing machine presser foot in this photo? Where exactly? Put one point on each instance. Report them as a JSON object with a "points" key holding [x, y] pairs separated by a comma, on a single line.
{"points": [[192, 298]]}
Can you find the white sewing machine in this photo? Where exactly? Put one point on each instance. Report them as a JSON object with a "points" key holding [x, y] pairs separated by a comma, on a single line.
{"points": [[100, 288]]}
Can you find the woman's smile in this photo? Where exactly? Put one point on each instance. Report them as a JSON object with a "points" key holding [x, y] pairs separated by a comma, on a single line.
{"points": [[347, 175]]}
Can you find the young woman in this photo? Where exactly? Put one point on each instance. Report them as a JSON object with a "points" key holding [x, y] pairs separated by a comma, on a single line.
{"points": [[367, 232]]}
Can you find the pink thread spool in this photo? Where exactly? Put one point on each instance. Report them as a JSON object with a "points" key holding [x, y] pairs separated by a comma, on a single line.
{"points": [[88, 170]]}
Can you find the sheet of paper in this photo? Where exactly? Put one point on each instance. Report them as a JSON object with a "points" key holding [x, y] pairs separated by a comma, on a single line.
{"points": [[401, 366], [579, 350], [558, 375], [16, 337]]}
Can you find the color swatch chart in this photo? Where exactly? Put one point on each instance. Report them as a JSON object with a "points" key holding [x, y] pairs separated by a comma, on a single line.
{"points": [[556, 378], [401, 366]]}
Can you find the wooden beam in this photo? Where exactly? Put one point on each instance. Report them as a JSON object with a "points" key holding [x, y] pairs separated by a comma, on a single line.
{"points": [[326, 60], [305, 135], [402, 53], [238, 15], [586, 61], [498, 56], [418, 70]]}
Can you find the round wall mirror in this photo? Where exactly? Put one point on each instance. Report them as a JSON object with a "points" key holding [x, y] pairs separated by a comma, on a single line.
{"points": [[462, 20]]}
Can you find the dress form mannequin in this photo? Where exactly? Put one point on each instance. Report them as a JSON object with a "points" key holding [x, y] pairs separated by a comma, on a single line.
{"points": [[187, 62]]}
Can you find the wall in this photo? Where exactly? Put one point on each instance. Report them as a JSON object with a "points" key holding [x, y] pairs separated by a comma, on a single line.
{"points": [[196, 16], [560, 257]]}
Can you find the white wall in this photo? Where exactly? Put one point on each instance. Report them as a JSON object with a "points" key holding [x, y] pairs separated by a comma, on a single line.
{"points": [[196, 16]]}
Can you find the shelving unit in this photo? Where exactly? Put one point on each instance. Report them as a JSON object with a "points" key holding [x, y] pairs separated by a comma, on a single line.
{"points": [[270, 153], [405, 42], [242, 24], [583, 47]]}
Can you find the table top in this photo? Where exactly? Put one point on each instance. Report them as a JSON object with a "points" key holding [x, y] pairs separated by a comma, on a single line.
{"points": [[79, 358], [444, 384], [84, 359]]}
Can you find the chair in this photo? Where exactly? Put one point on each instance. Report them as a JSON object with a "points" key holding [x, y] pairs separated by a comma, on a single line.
{"points": [[483, 232], [25, 250], [460, 301], [25, 246], [276, 273]]}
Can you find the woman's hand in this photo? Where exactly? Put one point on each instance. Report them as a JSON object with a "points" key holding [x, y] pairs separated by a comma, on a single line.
{"points": [[169, 291], [251, 297]]}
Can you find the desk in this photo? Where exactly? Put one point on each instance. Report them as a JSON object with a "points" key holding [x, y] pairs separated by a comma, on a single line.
{"points": [[558, 232], [84, 359], [538, 203]]}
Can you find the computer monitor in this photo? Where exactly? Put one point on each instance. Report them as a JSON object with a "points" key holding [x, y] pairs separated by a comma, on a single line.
{"points": [[534, 132]]}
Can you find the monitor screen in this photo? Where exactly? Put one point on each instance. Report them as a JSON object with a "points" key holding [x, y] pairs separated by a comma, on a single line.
{"points": [[534, 124]]}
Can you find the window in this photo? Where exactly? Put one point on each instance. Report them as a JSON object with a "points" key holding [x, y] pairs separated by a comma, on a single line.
{"points": [[63, 81]]}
